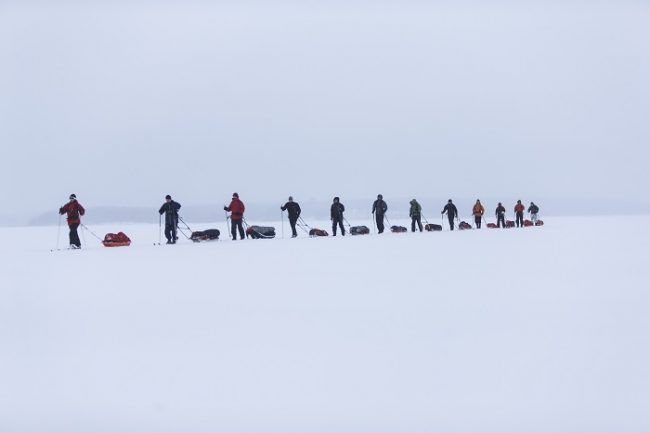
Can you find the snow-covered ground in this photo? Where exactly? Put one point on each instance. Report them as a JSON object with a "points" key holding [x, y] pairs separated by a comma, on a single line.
{"points": [[524, 330]]}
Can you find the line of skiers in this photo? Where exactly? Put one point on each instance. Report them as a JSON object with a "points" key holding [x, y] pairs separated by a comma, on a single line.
{"points": [[74, 210]]}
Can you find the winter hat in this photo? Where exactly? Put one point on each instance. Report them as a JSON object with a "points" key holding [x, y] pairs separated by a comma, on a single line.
{"points": [[380, 197], [336, 199], [290, 198], [73, 196], [449, 201], [519, 201], [168, 197], [234, 194]]}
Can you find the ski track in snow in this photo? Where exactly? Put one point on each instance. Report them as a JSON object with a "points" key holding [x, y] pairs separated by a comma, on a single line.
{"points": [[543, 329]]}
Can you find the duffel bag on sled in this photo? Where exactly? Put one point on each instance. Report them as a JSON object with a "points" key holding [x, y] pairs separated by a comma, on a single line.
{"points": [[398, 229], [539, 223], [528, 223], [116, 240], [433, 227], [464, 226], [359, 230], [259, 232], [315, 233], [205, 235], [492, 226], [510, 224]]}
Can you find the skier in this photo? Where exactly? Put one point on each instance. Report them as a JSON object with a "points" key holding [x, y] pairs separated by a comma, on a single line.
{"points": [[533, 210], [336, 215], [519, 213], [293, 209], [236, 207], [170, 208], [415, 212], [478, 212], [501, 216], [379, 208], [452, 212], [74, 211]]}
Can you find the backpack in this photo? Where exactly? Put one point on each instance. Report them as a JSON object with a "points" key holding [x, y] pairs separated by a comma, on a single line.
{"points": [[259, 232], [510, 224], [528, 223], [205, 235], [116, 240], [464, 226], [492, 226], [359, 230], [314, 233], [398, 229], [433, 227], [539, 223]]}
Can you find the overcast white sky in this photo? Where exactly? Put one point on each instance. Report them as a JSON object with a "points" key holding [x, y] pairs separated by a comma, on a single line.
{"points": [[123, 102]]}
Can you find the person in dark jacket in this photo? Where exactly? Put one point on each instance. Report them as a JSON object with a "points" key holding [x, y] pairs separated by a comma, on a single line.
{"points": [[452, 213], [293, 210], [500, 213], [519, 213], [74, 211], [236, 209], [170, 208], [336, 215], [415, 212], [533, 209], [379, 208]]}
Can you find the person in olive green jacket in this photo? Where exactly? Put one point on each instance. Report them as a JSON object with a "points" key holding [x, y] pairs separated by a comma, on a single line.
{"points": [[416, 215]]}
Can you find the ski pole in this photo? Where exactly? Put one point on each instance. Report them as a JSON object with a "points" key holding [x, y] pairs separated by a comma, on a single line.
{"points": [[58, 234], [374, 223], [227, 229], [282, 218]]}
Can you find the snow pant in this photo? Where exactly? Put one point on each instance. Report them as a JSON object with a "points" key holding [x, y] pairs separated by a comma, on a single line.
{"points": [[339, 222], [477, 221], [519, 218], [170, 229], [451, 223], [74, 236], [414, 220], [234, 226], [501, 221], [292, 223], [380, 222], [533, 217]]}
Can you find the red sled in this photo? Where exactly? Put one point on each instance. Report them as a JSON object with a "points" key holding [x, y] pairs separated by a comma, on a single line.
{"points": [[116, 240], [510, 224], [539, 223], [528, 223], [492, 226], [464, 226]]}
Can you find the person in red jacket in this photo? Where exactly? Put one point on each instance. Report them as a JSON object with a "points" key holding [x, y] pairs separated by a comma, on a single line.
{"points": [[519, 213], [236, 209], [74, 211]]}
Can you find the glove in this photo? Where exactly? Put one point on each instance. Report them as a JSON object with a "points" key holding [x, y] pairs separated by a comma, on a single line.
{"points": [[60, 211], [225, 208]]}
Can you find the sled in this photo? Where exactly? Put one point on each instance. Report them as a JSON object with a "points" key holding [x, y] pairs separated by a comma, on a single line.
{"points": [[314, 233], [116, 240], [492, 226], [398, 229], [539, 223], [510, 224], [433, 227], [205, 235], [259, 232], [359, 230], [464, 226], [528, 223]]}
